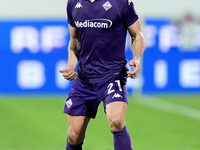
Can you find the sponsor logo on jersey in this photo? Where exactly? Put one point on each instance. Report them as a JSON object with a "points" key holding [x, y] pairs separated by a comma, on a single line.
{"points": [[107, 5], [69, 103], [117, 95], [78, 5], [94, 23]]}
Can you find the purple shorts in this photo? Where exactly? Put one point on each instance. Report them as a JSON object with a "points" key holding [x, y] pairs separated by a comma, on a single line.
{"points": [[84, 98]]}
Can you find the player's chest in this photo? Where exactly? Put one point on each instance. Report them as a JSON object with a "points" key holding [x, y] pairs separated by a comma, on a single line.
{"points": [[85, 10]]}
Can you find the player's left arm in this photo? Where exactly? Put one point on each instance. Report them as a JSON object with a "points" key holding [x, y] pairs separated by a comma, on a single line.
{"points": [[138, 45]]}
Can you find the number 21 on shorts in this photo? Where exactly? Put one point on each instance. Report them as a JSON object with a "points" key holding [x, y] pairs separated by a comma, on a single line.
{"points": [[110, 87]]}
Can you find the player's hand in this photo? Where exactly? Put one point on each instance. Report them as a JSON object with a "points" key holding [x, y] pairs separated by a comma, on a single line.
{"points": [[69, 73], [136, 69]]}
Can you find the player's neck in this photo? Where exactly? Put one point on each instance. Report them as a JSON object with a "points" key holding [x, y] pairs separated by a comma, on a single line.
{"points": [[92, 1]]}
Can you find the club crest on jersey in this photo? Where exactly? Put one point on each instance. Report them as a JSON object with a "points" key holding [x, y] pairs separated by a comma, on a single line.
{"points": [[107, 5], [69, 103]]}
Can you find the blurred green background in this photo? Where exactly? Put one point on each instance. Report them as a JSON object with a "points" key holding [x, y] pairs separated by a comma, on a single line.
{"points": [[37, 123]]}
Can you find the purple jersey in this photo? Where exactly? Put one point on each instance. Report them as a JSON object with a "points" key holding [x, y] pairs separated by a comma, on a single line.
{"points": [[102, 27]]}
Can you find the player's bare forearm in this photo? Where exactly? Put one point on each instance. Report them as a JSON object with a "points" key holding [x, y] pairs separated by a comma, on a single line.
{"points": [[73, 47], [137, 44], [68, 71], [73, 53]]}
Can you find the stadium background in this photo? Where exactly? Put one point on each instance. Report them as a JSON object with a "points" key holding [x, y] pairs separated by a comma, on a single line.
{"points": [[164, 109]]}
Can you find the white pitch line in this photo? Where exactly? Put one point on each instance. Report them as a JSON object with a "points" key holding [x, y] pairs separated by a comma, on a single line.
{"points": [[170, 107]]}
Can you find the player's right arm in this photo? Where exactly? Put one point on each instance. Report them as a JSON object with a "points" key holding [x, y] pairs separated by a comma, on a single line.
{"points": [[73, 54]]}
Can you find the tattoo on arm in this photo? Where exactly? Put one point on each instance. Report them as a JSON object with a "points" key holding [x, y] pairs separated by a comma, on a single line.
{"points": [[76, 40], [133, 41], [75, 47]]}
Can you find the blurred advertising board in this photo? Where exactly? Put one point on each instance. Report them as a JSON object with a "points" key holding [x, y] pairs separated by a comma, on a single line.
{"points": [[171, 61], [32, 52]]}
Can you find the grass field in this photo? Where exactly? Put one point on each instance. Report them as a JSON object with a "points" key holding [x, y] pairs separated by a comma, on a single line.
{"points": [[154, 122]]}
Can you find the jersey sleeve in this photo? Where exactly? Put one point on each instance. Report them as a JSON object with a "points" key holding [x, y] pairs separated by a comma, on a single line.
{"points": [[69, 13], [129, 15]]}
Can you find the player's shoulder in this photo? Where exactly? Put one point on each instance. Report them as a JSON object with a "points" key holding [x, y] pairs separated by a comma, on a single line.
{"points": [[72, 2], [123, 2]]}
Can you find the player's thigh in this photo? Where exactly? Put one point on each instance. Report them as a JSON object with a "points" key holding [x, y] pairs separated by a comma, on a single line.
{"points": [[115, 112], [78, 124]]}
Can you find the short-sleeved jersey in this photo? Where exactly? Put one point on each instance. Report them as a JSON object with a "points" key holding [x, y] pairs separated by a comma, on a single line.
{"points": [[102, 27]]}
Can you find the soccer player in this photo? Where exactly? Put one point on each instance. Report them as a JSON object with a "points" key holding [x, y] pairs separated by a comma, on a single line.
{"points": [[98, 31]]}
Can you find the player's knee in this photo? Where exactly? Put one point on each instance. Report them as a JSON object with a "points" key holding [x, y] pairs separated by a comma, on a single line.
{"points": [[74, 137], [117, 124], [71, 137]]}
